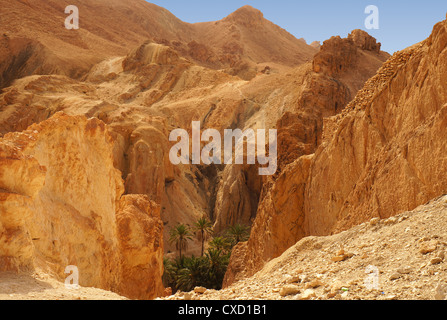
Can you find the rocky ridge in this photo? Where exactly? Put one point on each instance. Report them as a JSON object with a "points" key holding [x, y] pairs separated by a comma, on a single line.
{"points": [[34, 40]]}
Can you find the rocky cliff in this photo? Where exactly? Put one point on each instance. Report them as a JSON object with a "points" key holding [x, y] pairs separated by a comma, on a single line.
{"points": [[297, 109], [328, 84], [62, 206], [394, 140], [381, 156]]}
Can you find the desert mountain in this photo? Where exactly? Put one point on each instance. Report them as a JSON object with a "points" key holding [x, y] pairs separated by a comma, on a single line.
{"points": [[35, 41], [88, 92], [85, 117], [153, 90], [246, 39]]}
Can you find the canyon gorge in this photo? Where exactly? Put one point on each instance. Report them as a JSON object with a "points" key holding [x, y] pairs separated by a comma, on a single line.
{"points": [[85, 118]]}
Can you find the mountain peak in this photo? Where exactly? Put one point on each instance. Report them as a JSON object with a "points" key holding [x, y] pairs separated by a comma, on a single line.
{"points": [[248, 9], [246, 15]]}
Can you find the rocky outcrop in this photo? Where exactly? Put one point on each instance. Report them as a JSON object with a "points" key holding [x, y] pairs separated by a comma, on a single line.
{"points": [[61, 161], [147, 164], [364, 41], [338, 54], [383, 155], [335, 55], [394, 140], [237, 197], [140, 234]]}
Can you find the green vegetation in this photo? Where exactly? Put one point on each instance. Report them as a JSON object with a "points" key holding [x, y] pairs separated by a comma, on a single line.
{"points": [[203, 228], [186, 273], [238, 233], [221, 243], [180, 236]]}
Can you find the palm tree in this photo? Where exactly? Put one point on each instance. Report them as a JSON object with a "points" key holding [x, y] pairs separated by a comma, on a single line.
{"points": [[203, 227], [238, 233], [193, 274], [170, 273], [220, 243], [218, 263], [180, 236]]}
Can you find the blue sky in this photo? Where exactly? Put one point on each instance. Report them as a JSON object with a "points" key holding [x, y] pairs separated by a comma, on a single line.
{"points": [[401, 23]]}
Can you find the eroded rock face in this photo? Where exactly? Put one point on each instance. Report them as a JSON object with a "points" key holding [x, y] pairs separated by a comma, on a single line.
{"points": [[324, 92], [237, 197], [395, 142], [383, 155], [69, 192], [16, 248], [279, 222], [338, 54], [148, 164], [326, 61], [140, 234], [300, 124], [364, 41]]}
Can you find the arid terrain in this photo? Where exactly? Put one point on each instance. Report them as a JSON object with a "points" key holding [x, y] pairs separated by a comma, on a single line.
{"points": [[405, 253], [86, 178], [408, 251]]}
